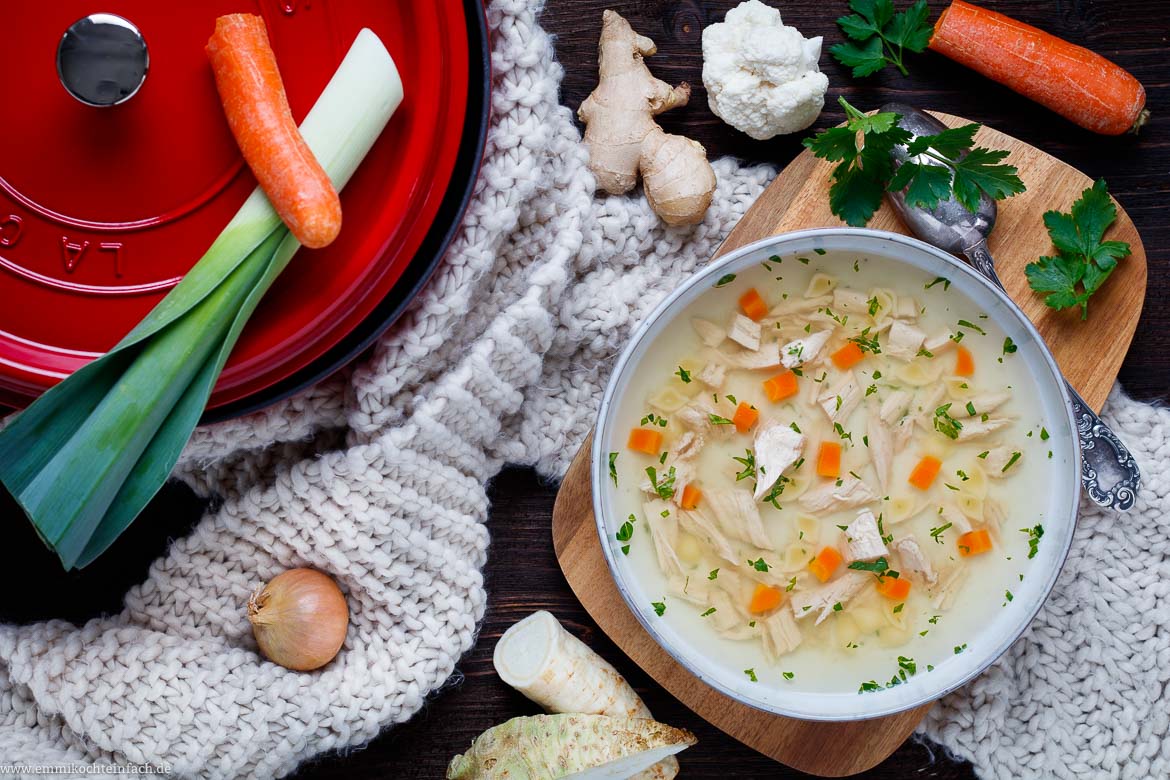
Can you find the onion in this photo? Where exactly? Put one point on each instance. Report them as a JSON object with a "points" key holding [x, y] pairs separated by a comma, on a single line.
{"points": [[299, 619]]}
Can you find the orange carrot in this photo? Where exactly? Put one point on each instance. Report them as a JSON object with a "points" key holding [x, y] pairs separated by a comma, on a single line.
{"points": [[825, 563], [765, 599], [745, 417], [829, 459], [691, 496], [781, 386], [1076, 83], [753, 305], [964, 362], [923, 475], [974, 543], [896, 588], [257, 112], [848, 356], [642, 440]]}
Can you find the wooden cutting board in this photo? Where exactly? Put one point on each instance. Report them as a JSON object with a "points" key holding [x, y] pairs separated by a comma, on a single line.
{"points": [[1089, 353]]}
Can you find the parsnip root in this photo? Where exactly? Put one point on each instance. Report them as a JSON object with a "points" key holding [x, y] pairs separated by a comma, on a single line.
{"points": [[558, 671], [623, 138], [584, 747]]}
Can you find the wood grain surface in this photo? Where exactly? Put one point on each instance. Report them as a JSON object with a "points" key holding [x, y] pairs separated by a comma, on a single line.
{"points": [[522, 573]]}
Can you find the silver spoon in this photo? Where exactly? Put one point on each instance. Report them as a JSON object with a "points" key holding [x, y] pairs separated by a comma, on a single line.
{"points": [[1104, 459]]}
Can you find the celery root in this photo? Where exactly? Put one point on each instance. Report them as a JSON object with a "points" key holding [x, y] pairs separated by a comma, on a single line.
{"points": [[583, 747], [558, 671]]}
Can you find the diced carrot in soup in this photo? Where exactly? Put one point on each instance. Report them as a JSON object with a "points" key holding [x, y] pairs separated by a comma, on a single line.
{"points": [[896, 588], [974, 542], [691, 496], [781, 386], [642, 440], [745, 417], [848, 356], [753, 305], [829, 459], [924, 474], [964, 362], [765, 599], [825, 563]]}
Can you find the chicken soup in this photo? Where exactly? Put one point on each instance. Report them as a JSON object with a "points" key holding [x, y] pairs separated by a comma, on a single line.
{"points": [[828, 474]]}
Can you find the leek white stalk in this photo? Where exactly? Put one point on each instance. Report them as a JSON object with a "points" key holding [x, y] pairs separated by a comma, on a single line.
{"points": [[86, 457]]}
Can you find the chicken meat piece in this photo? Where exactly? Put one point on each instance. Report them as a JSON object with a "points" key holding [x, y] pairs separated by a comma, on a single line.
{"points": [[949, 585], [939, 343], [744, 331], [906, 308], [781, 634], [977, 429], [830, 497], [864, 538], [997, 460], [846, 301], [664, 532], [738, 516], [904, 341], [841, 398], [804, 350], [699, 524], [881, 446], [713, 375], [696, 417], [709, 333], [984, 404], [895, 406], [913, 561], [822, 599], [763, 356], [776, 448]]}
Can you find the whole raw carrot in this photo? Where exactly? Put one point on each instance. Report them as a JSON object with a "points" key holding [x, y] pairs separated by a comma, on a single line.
{"points": [[1076, 83], [257, 112]]}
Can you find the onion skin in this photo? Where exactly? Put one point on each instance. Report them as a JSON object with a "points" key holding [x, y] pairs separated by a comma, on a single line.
{"points": [[299, 619]]}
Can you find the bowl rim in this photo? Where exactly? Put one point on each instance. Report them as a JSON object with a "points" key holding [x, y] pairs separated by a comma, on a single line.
{"points": [[609, 404]]}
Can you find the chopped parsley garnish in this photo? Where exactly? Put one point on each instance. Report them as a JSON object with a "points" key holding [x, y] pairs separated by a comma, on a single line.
{"points": [[971, 409], [1007, 594], [960, 648], [880, 567], [869, 687], [613, 467], [1009, 346], [1011, 461], [842, 432], [924, 352], [654, 419], [759, 565], [1044, 434], [713, 575], [725, 280], [898, 608], [777, 490], [819, 251], [972, 326], [794, 427], [936, 533], [665, 488], [749, 466], [788, 675], [945, 424], [945, 282], [717, 420], [934, 620], [962, 475], [684, 375], [867, 343], [984, 454], [625, 533], [791, 585], [710, 611], [802, 260], [870, 390], [874, 305], [751, 673], [1034, 533], [659, 607], [838, 607], [877, 374]]}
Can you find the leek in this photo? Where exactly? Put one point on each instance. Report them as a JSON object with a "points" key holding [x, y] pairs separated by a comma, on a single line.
{"points": [[85, 458]]}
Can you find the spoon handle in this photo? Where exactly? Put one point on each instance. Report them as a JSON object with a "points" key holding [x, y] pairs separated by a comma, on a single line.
{"points": [[1103, 457]]}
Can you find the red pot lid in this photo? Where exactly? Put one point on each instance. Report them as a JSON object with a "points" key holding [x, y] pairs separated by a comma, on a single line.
{"points": [[102, 210]]}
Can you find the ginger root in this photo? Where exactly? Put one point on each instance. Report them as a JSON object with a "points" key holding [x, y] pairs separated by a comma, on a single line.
{"points": [[623, 138]]}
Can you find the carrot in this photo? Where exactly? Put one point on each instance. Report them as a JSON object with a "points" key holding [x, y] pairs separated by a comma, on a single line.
{"points": [[896, 588], [923, 475], [848, 356], [753, 305], [257, 112], [745, 417], [642, 440], [1076, 83], [765, 599], [974, 543], [781, 386], [829, 459], [964, 362], [825, 563], [691, 496]]}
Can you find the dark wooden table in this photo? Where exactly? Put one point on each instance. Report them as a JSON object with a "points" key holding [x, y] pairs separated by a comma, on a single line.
{"points": [[522, 574]]}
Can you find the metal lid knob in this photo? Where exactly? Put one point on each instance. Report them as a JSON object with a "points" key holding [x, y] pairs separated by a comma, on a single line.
{"points": [[102, 60]]}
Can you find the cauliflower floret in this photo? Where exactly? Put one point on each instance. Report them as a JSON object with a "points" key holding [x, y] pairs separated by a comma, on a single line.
{"points": [[761, 76]]}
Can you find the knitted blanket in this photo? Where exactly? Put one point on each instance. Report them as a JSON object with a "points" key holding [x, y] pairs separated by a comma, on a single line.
{"points": [[377, 477]]}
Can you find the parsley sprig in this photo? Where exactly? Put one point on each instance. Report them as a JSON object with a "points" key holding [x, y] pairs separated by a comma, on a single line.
{"points": [[881, 37], [1083, 261], [936, 167]]}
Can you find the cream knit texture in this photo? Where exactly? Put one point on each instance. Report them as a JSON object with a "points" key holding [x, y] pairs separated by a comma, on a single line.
{"points": [[378, 477]]}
